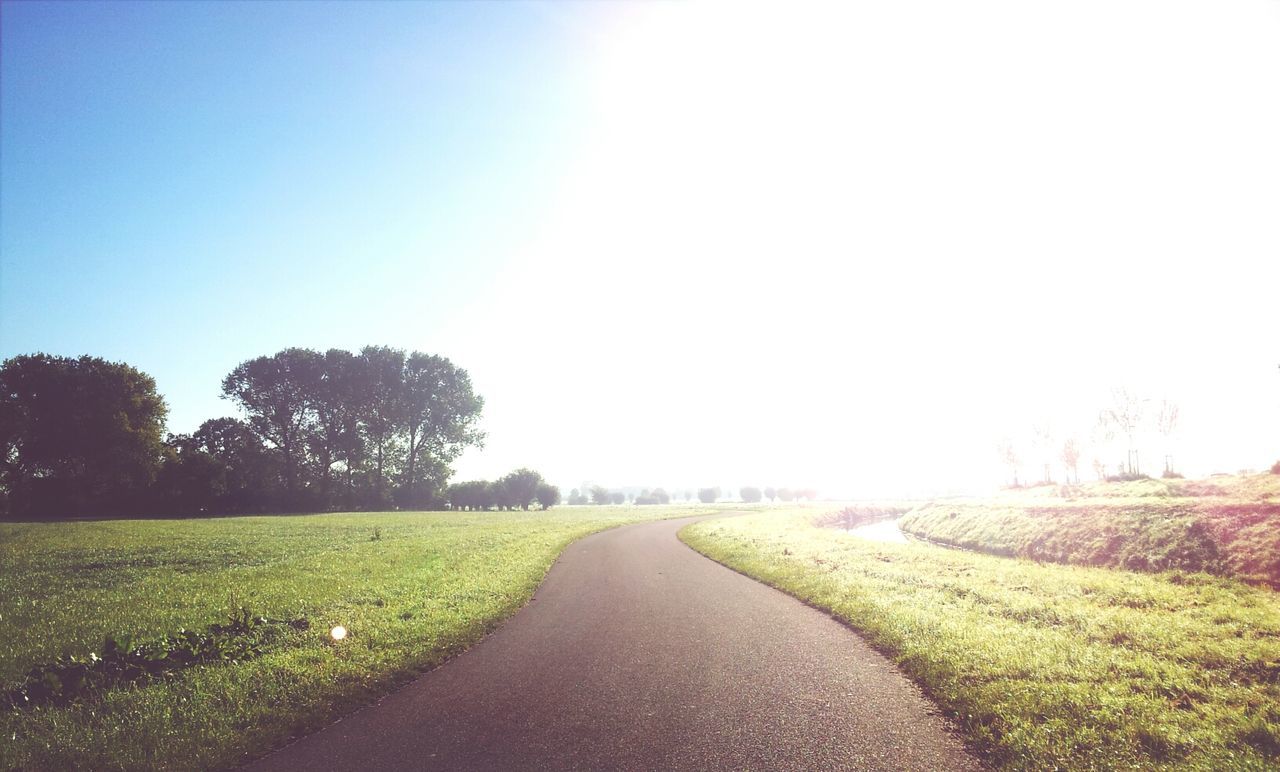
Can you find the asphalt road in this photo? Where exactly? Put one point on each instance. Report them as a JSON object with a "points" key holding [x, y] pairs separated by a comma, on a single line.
{"points": [[638, 653]]}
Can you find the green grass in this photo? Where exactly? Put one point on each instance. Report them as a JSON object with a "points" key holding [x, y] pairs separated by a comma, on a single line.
{"points": [[1227, 525], [413, 589], [1042, 665]]}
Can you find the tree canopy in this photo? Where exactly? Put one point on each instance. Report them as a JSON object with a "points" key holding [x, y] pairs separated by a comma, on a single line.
{"points": [[78, 436], [358, 431]]}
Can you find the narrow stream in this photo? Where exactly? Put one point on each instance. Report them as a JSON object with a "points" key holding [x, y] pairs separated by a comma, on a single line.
{"points": [[884, 530]]}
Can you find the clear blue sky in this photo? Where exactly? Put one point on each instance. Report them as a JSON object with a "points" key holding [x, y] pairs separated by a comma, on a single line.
{"points": [[187, 185], [846, 246]]}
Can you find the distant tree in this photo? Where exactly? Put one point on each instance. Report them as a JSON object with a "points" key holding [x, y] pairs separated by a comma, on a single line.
{"points": [[1008, 453], [576, 498], [656, 496], [77, 436], [548, 495], [600, 495], [1043, 441], [750, 494], [1166, 424], [808, 494], [521, 487], [770, 494], [1124, 417], [472, 495], [191, 481], [708, 495], [253, 475], [785, 494], [501, 495], [1100, 469], [1071, 459], [617, 497]]}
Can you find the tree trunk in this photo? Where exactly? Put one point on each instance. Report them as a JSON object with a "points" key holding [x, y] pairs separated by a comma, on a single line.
{"points": [[378, 483], [413, 452]]}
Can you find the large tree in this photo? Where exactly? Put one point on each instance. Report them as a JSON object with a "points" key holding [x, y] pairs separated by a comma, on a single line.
{"points": [[439, 411], [381, 387], [364, 420], [275, 392], [332, 393], [77, 436]]}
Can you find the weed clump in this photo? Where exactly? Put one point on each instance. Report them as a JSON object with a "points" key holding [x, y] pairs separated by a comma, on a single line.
{"points": [[68, 679]]}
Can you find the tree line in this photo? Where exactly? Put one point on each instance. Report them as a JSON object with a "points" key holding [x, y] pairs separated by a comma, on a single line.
{"points": [[320, 431], [1128, 422], [517, 490], [600, 495]]}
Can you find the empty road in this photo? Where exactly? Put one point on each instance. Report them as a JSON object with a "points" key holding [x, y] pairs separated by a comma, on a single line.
{"points": [[638, 653]]}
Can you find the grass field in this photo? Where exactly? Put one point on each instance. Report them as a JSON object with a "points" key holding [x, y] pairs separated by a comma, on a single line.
{"points": [[413, 589], [1228, 525], [1043, 666]]}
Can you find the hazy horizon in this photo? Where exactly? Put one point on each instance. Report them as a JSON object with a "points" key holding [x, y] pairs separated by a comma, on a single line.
{"points": [[674, 245]]}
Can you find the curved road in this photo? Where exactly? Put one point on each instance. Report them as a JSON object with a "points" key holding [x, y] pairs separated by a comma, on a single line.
{"points": [[638, 653]]}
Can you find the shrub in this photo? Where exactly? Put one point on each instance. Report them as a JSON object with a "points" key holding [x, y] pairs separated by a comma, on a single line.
{"points": [[1127, 477], [1169, 474]]}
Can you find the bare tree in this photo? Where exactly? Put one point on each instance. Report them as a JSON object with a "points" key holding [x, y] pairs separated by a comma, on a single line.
{"points": [[1071, 459], [1042, 439], [1099, 468], [1008, 453], [1166, 424], [1124, 416]]}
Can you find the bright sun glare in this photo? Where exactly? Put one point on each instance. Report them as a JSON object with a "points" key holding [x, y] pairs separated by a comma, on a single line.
{"points": [[843, 244]]}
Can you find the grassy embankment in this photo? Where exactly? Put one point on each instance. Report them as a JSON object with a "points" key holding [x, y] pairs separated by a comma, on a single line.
{"points": [[413, 589], [1228, 526], [1043, 666]]}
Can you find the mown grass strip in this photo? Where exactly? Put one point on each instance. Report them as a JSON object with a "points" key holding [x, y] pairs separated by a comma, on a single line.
{"points": [[1043, 666], [412, 589]]}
